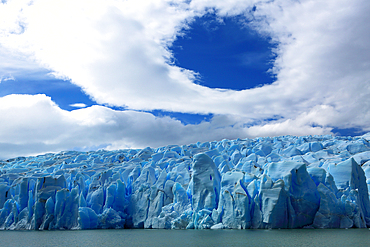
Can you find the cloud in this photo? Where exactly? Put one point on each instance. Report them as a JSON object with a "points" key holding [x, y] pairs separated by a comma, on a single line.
{"points": [[14, 59], [119, 53], [323, 58], [7, 78], [78, 105], [34, 124], [37, 125]]}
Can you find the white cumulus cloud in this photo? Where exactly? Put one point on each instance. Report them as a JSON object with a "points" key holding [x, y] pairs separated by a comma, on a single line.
{"points": [[34, 124], [119, 53]]}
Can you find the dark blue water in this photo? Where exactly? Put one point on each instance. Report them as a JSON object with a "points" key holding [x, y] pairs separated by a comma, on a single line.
{"points": [[302, 237]]}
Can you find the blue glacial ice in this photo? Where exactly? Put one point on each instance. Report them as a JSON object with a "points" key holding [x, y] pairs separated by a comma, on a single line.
{"points": [[279, 182]]}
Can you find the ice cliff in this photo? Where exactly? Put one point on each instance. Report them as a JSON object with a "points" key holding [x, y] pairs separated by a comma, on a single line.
{"points": [[279, 182]]}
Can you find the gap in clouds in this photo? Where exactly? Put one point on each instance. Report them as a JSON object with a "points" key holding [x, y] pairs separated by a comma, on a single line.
{"points": [[184, 118], [65, 94], [225, 52], [348, 132], [62, 92]]}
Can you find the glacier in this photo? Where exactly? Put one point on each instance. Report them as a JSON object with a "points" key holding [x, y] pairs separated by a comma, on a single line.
{"points": [[269, 182]]}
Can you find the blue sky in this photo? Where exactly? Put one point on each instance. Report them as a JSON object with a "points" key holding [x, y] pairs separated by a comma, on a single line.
{"points": [[226, 54], [118, 74]]}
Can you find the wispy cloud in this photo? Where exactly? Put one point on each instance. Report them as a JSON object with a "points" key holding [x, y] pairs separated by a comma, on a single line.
{"points": [[6, 78], [78, 105]]}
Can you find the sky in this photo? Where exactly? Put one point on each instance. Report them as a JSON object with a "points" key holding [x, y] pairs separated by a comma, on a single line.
{"points": [[113, 74]]}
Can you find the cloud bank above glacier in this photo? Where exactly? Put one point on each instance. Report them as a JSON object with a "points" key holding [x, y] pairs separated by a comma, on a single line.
{"points": [[119, 53]]}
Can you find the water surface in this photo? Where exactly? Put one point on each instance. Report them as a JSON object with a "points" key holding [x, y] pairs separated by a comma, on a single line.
{"points": [[128, 237]]}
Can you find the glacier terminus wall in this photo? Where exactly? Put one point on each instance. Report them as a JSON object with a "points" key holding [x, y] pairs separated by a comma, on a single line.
{"points": [[271, 182]]}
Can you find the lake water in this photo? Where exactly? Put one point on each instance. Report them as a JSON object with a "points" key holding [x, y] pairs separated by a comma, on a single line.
{"points": [[128, 237]]}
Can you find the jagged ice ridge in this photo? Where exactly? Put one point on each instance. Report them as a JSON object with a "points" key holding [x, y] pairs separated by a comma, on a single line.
{"points": [[279, 182]]}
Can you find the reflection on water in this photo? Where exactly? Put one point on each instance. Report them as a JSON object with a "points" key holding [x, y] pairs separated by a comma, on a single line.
{"points": [[125, 237]]}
